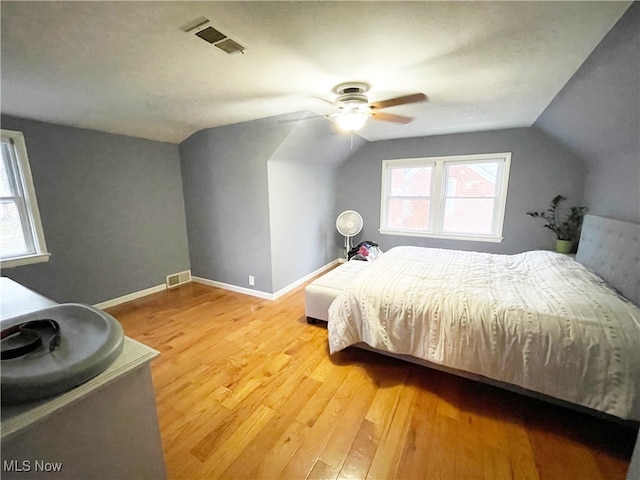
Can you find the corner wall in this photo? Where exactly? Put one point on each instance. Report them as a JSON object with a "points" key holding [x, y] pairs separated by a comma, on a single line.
{"points": [[302, 198], [224, 177], [111, 209], [260, 200], [597, 115]]}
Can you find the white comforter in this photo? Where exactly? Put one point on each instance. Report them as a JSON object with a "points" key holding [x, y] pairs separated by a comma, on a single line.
{"points": [[538, 320]]}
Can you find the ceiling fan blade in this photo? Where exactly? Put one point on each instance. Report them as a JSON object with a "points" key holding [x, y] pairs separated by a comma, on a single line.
{"points": [[392, 102], [390, 117]]}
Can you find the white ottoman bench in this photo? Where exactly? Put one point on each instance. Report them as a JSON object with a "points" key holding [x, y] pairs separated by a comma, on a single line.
{"points": [[319, 294]]}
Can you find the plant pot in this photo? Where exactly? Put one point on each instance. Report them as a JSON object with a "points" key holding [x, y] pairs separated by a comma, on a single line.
{"points": [[564, 246]]}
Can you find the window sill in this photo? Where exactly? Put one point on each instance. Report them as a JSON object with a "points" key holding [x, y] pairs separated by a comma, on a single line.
{"points": [[26, 260], [443, 236]]}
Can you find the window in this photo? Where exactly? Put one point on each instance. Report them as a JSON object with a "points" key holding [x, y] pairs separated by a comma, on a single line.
{"points": [[21, 236], [461, 197]]}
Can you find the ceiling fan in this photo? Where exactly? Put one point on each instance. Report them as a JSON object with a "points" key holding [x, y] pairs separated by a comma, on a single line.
{"points": [[355, 109]]}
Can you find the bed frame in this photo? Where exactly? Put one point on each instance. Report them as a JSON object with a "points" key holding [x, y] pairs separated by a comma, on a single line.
{"points": [[611, 249]]}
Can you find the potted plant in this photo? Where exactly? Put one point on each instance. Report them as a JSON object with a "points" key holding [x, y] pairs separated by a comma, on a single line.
{"points": [[567, 231]]}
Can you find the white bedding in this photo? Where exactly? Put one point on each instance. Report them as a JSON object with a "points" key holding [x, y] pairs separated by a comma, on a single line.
{"points": [[538, 320]]}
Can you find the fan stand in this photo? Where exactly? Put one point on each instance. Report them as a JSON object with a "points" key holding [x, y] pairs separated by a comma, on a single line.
{"points": [[348, 245]]}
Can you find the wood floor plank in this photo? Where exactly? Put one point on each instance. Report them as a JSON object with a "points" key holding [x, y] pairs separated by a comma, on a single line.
{"points": [[339, 443], [323, 471], [272, 448], [189, 432], [288, 384], [419, 433], [385, 401], [246, 389], [315, 406], [222, 454], [575, 461], [323, 426], [521, 455], [393, 437], [360, 455], [281, 453]]}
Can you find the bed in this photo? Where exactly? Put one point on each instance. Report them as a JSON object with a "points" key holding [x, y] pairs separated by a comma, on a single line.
{"points": [[538, 322]]}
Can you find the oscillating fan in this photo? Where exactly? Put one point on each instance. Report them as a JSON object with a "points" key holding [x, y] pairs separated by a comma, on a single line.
{"points": [[349, 223]]}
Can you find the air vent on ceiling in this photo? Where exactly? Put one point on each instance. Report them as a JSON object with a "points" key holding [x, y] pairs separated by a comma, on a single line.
{"points": [[201, 28], [211, 35]]}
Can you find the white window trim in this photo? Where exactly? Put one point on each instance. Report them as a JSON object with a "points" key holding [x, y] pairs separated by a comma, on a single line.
{"points": [[41, 254], [436, 196]]}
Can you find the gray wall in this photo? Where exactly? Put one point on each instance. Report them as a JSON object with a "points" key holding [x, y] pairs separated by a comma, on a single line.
{"points": [[302, 198], [540, 169], [260, 199], [596, 114], [301, 204], [224, 176], [111, 208]]}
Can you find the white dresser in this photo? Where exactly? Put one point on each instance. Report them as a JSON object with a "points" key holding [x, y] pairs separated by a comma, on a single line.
{"points": [[106, 428]]}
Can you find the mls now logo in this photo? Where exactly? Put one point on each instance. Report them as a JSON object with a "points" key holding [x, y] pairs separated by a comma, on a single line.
{"points": [[29, 466]]}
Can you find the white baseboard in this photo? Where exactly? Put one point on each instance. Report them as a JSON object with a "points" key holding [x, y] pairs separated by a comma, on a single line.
{"points": [[131, 296], [260, 293], [225, 286], [304, 279], [233, 288]]}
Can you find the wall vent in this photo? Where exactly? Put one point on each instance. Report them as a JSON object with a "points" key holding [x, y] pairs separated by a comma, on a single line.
{"points": [[177, 279], [200, 27]]}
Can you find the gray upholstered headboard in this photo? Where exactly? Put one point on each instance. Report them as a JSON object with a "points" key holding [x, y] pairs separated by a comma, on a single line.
{"points": [[611, 248]]}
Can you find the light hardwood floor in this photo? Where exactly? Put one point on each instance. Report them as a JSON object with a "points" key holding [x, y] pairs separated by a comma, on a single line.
{"points": [[246, 389]]}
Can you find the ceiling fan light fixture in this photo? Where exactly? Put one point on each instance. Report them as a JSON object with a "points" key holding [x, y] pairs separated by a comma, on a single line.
{"points": [[354, 108], [352, 121]]}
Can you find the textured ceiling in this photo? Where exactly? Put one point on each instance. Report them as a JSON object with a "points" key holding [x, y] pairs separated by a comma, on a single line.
{"points": [[128, 68]]}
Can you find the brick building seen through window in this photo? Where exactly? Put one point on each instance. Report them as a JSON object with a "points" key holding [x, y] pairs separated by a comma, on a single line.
{"points": [[469, 199]]}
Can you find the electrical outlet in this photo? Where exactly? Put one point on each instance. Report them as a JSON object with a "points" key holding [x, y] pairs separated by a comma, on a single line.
{"points": [[252, 281]]}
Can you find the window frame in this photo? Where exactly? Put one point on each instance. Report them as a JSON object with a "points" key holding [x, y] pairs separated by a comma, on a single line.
{"points": [[437, 195], [27, 204]]}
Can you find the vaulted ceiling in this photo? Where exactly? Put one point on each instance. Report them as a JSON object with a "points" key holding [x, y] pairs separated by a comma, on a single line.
{"points": [[130, 68]]}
